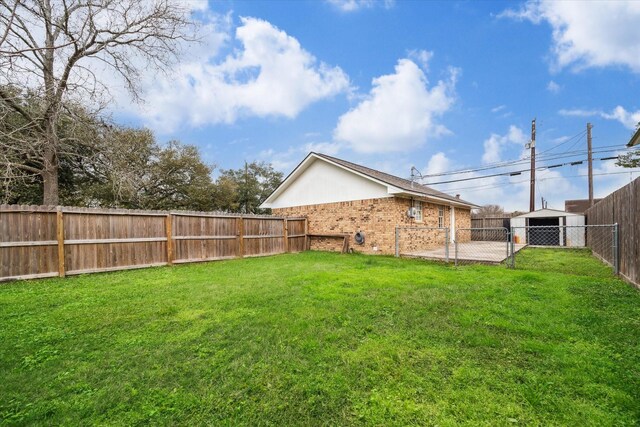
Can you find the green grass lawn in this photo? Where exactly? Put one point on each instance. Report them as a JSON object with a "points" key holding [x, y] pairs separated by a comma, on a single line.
{"points": [[325, 339]]}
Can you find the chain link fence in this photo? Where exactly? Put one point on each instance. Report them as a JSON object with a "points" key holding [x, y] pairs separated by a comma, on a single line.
{"points": [[482, 245], [500, 245], [423, 242]]}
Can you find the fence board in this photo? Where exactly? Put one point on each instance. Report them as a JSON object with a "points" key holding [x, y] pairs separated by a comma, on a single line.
{"points": [[296, 234], [46, 241], [22, 228], [479, 226], [621, 207]]}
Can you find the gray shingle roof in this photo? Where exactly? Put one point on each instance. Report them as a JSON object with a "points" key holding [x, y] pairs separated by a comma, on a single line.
{"points": [[396, 181], [635, 139]]}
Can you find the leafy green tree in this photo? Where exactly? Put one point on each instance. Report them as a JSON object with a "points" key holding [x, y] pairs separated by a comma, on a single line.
{"points": [[243, 190], [631, 159], [101, 164], [133, 171], [21, 180]]}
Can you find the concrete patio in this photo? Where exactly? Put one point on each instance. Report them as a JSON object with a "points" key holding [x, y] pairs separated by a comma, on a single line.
{"points": [[483, 252]]}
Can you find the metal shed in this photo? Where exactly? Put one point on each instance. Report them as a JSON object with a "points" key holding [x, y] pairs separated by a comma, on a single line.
{"points": [[549, 227]]}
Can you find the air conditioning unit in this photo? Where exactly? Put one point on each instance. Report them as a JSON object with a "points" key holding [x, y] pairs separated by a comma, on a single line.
{"points": [[412, 212]]}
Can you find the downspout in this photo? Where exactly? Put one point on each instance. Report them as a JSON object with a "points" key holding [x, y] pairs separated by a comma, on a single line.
{"points": [[412, 219]]}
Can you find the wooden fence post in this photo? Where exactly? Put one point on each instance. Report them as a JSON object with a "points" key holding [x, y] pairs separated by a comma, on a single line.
{"points": [[60, 235], [307, 241], [285, 233], [240, 234], [168, 221]]}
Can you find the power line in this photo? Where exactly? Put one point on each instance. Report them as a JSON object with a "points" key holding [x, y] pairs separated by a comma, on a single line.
{"points": [[578, 135], [526, 161], [507, 183], [507, 162], [518, 172]]}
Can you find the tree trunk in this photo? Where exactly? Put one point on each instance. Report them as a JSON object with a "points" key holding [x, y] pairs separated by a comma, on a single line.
{"points": [[50, 169], [50, 182]]}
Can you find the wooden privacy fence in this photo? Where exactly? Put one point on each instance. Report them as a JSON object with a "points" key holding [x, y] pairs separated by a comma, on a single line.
{"points": [[43, 241], [621, 207], [481, 228]]}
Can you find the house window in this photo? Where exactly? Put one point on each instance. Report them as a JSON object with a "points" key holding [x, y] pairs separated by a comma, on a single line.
{"points": [[440, 216], [417, 208]]}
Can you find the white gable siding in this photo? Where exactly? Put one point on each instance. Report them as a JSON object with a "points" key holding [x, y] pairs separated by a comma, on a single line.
{"points": [[322, 182]]}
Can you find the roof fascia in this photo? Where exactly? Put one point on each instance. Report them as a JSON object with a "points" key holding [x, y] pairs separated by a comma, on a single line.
{"points": [[287, 181], [635, 139], [436, 198]]}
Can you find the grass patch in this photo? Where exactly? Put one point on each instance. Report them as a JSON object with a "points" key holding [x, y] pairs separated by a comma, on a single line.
{"points": [[577, 261], [325, 339]]}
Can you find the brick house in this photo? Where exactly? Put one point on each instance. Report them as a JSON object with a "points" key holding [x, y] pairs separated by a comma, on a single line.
{"points": [[342, 197]]}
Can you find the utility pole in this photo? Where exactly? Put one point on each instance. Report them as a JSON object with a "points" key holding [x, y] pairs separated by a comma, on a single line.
{"points": [[532, 189], [589, 126]]}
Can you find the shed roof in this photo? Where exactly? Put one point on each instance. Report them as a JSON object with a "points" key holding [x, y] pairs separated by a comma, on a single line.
{"points": [[546, 213], [635, 139]]}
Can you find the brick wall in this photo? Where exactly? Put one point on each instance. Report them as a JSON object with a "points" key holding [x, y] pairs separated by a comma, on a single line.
{"points": [[331, 244], [420, 239], [463, 220], [377, 218]]}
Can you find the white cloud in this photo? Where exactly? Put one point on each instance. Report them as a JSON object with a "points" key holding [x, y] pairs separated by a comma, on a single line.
{"points": [[554, 186], [498, 108], [553, 87], [329, 148], [284, 161], [355, 5], [399, 114], [628, 119], [494, 145], [196, 5], [271, 75], [438, 163], [560, 139], [577, 112], [421, 56], [588, 34], [510, 192]]}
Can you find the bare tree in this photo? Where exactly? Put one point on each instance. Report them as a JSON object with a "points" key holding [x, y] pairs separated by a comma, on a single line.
{"points": [[52, 49], [488, 211]]}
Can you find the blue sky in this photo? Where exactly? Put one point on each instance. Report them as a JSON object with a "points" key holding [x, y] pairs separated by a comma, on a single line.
{"points": [[436, 85]]}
